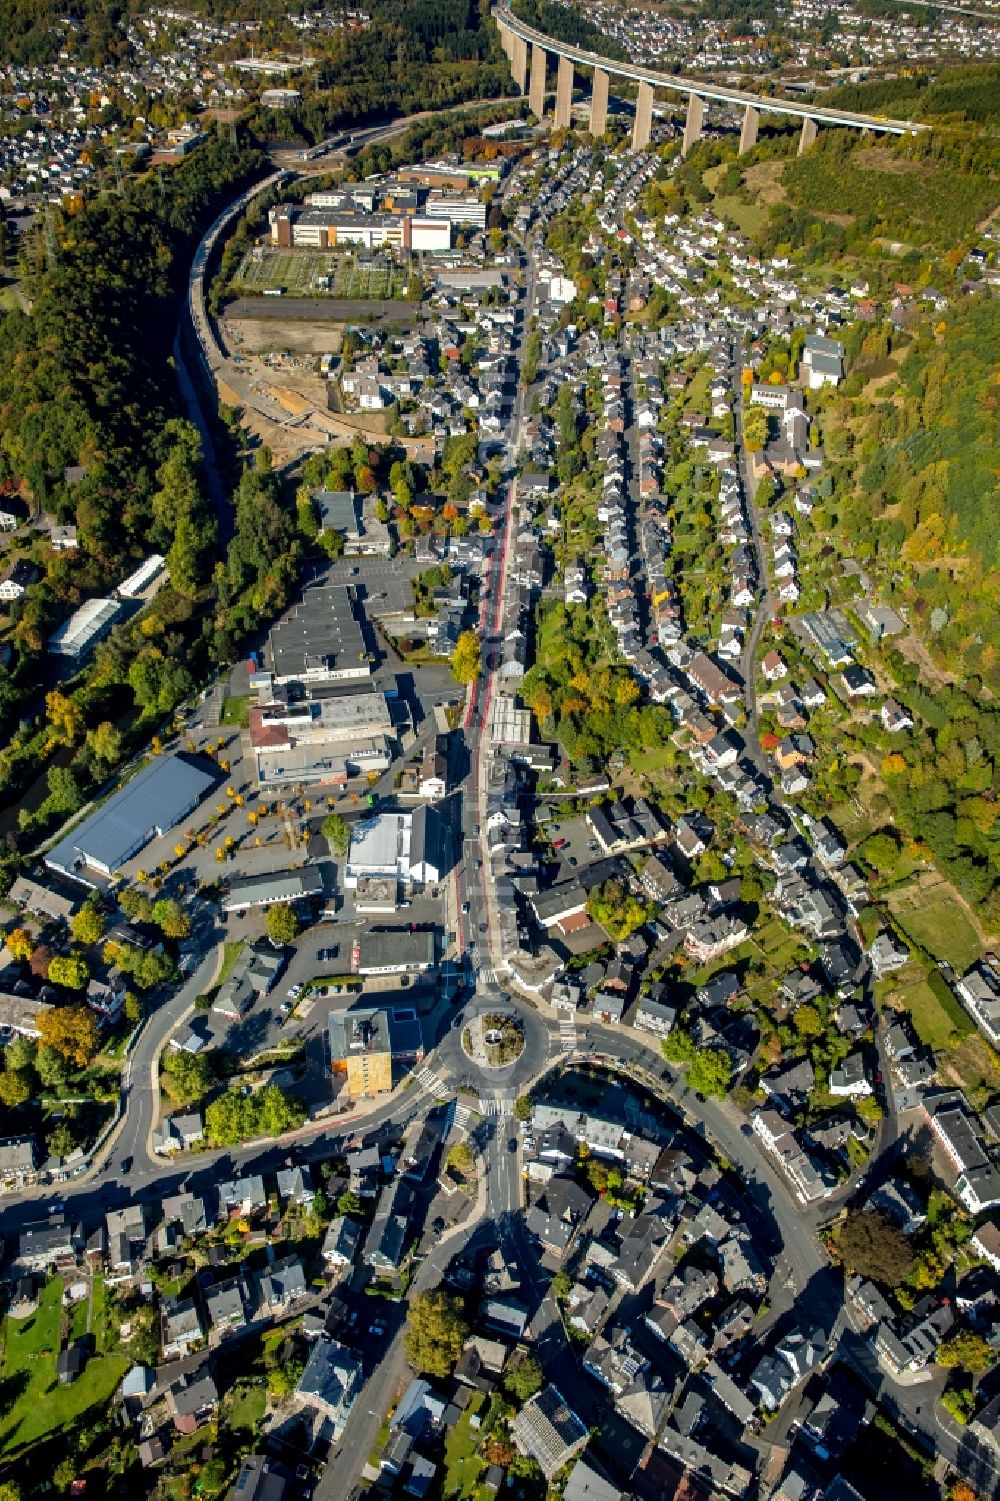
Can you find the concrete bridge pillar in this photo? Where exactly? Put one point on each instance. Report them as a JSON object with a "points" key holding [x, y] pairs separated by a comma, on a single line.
{"points": [[519, 63], [692, 126], [748, 134], [599, 103], [564, 94], [809, 132], [506, 39], [642, 129], [536, 89]]}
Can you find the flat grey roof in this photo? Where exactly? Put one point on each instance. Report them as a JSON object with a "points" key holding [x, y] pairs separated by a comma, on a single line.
{"points": [[278, 886], [338, 510], [321, 632], [161, 795]]}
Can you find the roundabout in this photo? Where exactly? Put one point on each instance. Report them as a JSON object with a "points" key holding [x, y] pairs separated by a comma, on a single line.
{"points": [[496, 1045], [493, 1039]]}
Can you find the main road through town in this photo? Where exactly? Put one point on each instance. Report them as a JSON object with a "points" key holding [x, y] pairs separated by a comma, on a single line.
{"points": [[127, 1169]]}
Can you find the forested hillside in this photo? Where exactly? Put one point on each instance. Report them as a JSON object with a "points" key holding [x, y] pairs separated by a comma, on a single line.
{"points": [[970, 93], [414, 56], [567, 25]]}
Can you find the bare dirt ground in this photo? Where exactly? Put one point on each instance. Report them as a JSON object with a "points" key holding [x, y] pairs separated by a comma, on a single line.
{"points": [[256, 336], [880, 159], [764, 182], [914, 650]]}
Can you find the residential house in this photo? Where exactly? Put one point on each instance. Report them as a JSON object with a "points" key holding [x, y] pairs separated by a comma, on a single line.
{"points": [[548, 1431]]}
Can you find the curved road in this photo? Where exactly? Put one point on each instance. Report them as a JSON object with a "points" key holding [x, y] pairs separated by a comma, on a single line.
{"points": [[674, 83]]}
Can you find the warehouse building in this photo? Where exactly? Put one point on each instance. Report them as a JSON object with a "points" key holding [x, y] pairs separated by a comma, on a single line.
{"points": [[320, 640], [78, 635], [155, 800]]}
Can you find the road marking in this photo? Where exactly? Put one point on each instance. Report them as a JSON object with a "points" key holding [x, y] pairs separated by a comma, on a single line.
{"points": [[501, 1107], [430, 1081], [567, 1032]]}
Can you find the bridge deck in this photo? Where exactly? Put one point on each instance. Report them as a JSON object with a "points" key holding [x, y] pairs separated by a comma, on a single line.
{"points": [[765, 103]]}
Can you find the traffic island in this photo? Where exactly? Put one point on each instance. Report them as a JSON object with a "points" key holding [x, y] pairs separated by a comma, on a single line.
{"points": [[494, 1039]]}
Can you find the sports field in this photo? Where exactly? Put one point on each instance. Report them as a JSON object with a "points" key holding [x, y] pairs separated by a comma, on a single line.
{"points": [[321, 274]]}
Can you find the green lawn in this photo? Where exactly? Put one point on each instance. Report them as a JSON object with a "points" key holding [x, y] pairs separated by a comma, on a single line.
{"points": [[98, 1325], [937, 1024], [463, 1466], [246, 1406], [749, 218], [236, 711], [649, 761], [781, 945], [34, 1403], [230, 954], [934, 919]]}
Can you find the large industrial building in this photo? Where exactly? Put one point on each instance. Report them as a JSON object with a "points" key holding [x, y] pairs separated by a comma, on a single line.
{"points": [[320, 640], [155, 800], [304, 227], [78, 635], [321, 741]]}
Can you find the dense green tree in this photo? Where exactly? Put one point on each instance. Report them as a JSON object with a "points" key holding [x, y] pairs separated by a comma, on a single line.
{"points": [[523, 1378], [187, 1077], [710, 1072], [70, 971], [871, 1245], [87, 925], [15, 1087], [282, 923], [436, 1332], [337, 832]]}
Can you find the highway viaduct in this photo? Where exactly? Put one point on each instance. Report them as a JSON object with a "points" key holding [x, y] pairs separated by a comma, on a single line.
{"points": [[528, 52]]}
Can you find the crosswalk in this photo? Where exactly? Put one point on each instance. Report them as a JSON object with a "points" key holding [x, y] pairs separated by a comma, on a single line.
{"points": [[497, 1106], [567, 1032], [459, 1116], [431, 1082]]}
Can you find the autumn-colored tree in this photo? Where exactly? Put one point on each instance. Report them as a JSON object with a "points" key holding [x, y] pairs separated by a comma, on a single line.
{"points": [[171, 918], [40, 960], [88, 925], [70, 1031], [755, 429], [466, 659], [65, 716], [20, 943]]}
